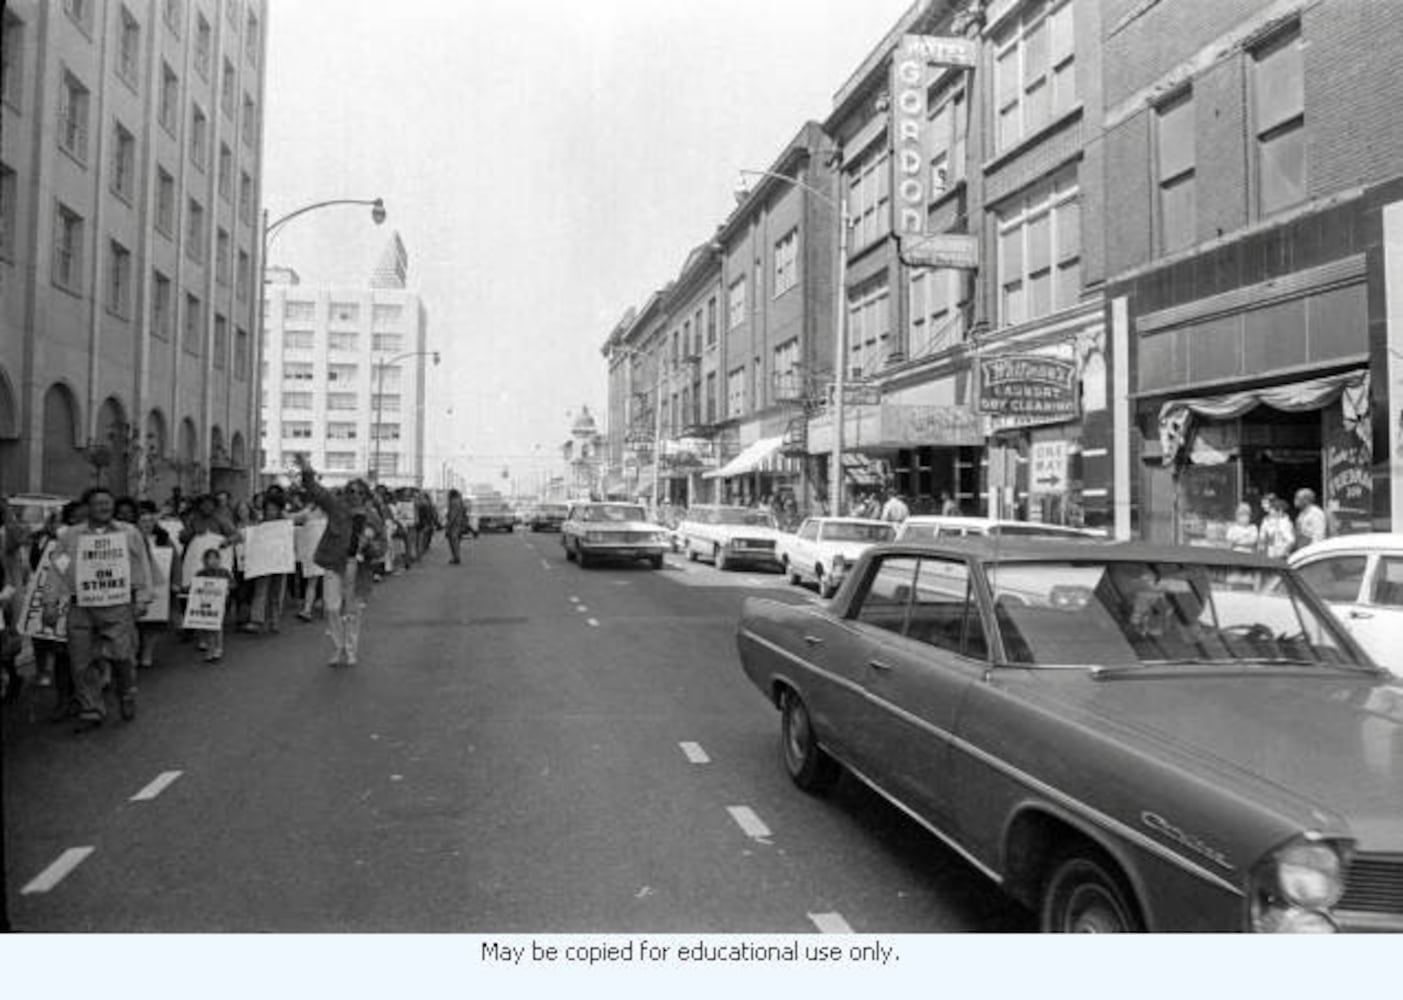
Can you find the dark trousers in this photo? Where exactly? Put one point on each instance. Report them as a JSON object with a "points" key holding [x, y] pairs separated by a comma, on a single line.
{"points": [[455, 541]]}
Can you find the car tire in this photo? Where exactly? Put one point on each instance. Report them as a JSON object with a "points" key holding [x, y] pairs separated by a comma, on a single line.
{"points": [[826, 587], [1085, 894], [656, 562], [718, 558], [691, 552], [804, 760], [790, 573], [569, 552]]}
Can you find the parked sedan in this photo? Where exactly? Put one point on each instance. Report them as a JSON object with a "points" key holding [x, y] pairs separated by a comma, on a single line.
{"points": [[595, 531], [1123, 737], [730, 536], [824, 547], [1361, 578], [547, 517]]}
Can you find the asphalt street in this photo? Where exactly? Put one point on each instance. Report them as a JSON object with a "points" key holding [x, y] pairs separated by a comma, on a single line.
{"points": [[526, 747]]}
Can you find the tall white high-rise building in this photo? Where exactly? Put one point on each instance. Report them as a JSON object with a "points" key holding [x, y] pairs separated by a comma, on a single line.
{"points": [[343, 374]]}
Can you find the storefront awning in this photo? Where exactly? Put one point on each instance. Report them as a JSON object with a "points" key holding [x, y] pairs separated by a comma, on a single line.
{"points": [[748, 460], [1176, 416]]}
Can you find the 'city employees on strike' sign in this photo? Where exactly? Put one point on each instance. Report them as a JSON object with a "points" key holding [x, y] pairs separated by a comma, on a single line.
{"points": [[103, 571]]}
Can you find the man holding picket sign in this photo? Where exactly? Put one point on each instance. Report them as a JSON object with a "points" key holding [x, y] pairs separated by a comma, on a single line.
{"points": [[101, 572]]}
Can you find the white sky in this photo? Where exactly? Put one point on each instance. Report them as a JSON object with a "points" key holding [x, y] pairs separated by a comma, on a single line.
{"points": [[548, 164]]}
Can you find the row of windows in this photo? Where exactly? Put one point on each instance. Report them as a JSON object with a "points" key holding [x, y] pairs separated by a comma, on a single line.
{"points": [[304, 371], [301, 430], [382, 315], [344, 341], [83, 12], [345, 402]]}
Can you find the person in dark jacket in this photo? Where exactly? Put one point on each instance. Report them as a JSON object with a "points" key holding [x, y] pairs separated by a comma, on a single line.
{"points": [[455, 525], [353, 543]]}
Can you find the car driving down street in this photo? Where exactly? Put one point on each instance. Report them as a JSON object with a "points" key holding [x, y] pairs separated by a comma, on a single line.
{"points": [[730, 536], [595, 531]]}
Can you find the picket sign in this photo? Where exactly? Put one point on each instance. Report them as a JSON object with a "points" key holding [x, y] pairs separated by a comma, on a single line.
{"points": [[162, 556], [31, 621], [194, 559], [269, 549], [204, 609], [305, 541]]}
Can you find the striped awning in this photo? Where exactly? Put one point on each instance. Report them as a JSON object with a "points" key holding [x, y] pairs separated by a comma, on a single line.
{"points": [[750, 459]]}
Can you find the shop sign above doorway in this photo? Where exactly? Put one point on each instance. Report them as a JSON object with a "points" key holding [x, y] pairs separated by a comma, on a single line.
{"points": [[1019, 390]]}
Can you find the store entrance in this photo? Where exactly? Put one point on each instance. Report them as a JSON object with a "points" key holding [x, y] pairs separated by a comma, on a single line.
{"points": [[1281, 453]]}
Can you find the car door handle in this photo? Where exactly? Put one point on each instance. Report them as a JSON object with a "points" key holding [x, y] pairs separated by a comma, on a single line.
{"points": [[1361, 614], [813, 640], [881, 665]]}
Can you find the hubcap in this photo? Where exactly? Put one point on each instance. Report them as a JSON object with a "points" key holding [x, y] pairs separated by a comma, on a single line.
{"points": [[796, 734], [1092, 910]]}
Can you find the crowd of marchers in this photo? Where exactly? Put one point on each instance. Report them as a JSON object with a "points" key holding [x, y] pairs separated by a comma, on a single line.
{"points": [[102, 589]]}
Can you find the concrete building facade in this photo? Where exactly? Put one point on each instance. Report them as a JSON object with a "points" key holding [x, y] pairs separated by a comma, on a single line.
{"points": [[343, 381], [130, 181]]}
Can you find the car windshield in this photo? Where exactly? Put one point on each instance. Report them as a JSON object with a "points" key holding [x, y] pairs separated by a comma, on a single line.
{"points": [[612, 512], [742, 515], [838, 531], [1131, 613], [1038, 531]]}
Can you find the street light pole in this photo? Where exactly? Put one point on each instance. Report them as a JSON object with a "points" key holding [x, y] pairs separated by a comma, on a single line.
{"points": [[375, 429], [658, 428], [840, 337], [270, 232]]}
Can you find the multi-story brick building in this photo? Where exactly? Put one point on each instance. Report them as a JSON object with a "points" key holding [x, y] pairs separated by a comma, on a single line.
{"points": [[1253, 156], [343, 378], [130, 180]]}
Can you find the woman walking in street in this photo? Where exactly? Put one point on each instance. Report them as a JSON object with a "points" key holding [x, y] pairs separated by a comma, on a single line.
{"points": [[455, 525], [353, 542]]}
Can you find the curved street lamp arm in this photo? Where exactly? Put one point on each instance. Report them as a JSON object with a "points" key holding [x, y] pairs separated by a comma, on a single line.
{"points": [[377, 205], [796, 182]]}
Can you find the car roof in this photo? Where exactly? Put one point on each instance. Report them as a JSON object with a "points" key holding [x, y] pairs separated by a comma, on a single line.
{"points": [[1374, 541], [962, 521], [852, 520], [1032, 549]]}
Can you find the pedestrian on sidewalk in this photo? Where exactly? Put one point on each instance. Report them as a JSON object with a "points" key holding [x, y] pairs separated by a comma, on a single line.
{"points": [[1311, 523], [354, 542], [102, 637], [456, 525]]}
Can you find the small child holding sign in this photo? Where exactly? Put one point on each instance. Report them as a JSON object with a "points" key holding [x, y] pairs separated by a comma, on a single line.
{"points": [[206, 613]]}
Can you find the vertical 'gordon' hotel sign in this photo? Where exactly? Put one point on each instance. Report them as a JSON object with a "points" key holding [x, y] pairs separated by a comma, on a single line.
{"points": [[908, 96]]}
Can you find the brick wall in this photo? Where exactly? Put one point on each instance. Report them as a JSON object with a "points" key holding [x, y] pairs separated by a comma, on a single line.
{"points": [[1128, 194], [1220, 145]]}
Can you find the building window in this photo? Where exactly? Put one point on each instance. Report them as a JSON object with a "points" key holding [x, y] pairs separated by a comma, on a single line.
{"points": [[119, 279], [195, 230], [193, 334], [161, 318], [386, 464], [869, 198], [1279, 122], [387, 342], [221, 342], [68, 249], [735, 302], [300, 311], [948, 123], [8, 208], [735, 393], [199, 136], [80, 12], [388, 377], [711, 397], [697, 328], [73, 117], [240, 353], [711, 321], [786, 262], [251, 38], [249, 125], [385, 316], [170, 99], [298, 371], [1034, 70], [345, 312], [340, 461], [384, 432], [342, 341], [244, 277], [340, 430], [128, 48], [784, 369], [123, 163], [297, 430], [226, 172], [869, 329], [165, 202], [298, 340], [11, 60], [385, 402], [175, 16], [203, 39], [1040, 250], [1175, 158], [341, 401], [223, 265], [937, 309], [245, 197], [297, 401], [342, 374], [228, 89]]}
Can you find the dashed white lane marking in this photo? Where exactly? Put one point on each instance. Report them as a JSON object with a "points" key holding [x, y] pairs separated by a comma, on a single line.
{"points": [[830, 923], [592, 622], [58, 871], [695, 753], [574, 599], [750, 823], [581, 608], [546, 564], [163, 781]]}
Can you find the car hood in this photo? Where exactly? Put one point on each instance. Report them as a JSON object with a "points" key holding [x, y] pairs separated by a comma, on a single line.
{"points": [[747, 531], [1325, 750]]}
